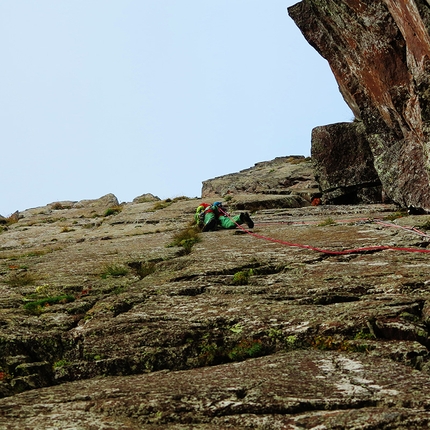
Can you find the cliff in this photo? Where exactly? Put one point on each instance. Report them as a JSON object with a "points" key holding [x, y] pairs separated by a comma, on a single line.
{"points": [[379, 52], [123, 317]]}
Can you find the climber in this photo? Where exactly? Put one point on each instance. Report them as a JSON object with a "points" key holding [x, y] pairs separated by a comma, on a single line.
{"points": [[209, 217], [205, 217]]}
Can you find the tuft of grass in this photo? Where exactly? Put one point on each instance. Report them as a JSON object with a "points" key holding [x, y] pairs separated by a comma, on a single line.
{"points": [[36, 307], [396, 215], [20, 279], [113, 210], [12, 219], [326, 222], [167, 202], [162, 204], [186, 238], [57, 206], [144, 268], [114, 270]]}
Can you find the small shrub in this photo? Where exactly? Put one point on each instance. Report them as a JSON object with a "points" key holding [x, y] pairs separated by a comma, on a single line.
{"points": [[114, 271], [12, 219], [242, 277]]}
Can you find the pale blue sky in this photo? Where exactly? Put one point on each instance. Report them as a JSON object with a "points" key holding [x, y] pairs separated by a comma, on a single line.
{"points": [[137, 96]]}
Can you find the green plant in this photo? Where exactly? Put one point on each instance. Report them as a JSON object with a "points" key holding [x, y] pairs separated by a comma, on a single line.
{"points": [[61, 363], [162, 204], [237, 328], [330, 343], [396, 215], [291, 342], [145, 269], [246, 348], [114, 270], [326, 222], [113, 210], [186, 238], [36, 307], [209, 351], [275, 333], [228, 197], [12, 219], [118, 290], [364, 335], [242, 277], [57, 206]]}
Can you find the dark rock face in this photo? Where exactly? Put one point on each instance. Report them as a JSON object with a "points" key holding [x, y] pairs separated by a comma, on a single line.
{"points": [[344, 164], [379, 52]]}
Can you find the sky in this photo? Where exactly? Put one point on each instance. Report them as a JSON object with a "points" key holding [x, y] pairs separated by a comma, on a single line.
{"points": [[151, 96]]}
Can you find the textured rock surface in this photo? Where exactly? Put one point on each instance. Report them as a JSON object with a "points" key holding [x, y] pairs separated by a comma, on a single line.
{"points": [[104, 325], [379, 53], [293, 176], [343, 165]]}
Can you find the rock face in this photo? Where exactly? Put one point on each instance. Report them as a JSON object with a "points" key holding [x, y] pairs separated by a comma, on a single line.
{"points": [[113, 318], [343, 165], [379, 52], [284, 176]]}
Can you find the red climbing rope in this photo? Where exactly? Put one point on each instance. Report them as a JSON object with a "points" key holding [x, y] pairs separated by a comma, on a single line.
{"points": [[329, 251]]}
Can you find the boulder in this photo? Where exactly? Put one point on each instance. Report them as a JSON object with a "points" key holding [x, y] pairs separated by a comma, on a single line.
{"points": [[106, 201], [281, 176], [147, 197], [344, 164], [379, 52]]}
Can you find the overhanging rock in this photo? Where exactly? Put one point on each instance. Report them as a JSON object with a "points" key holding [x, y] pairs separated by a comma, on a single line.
{"points": [[379, 52]]}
